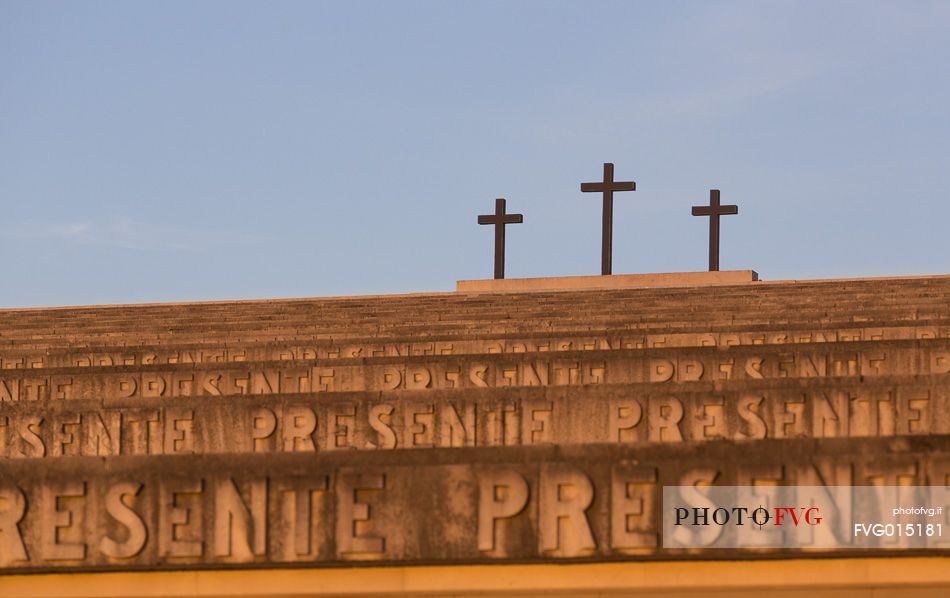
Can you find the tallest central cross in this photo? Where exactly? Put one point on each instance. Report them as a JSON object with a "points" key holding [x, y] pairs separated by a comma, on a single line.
{"points": [[607, 187]]}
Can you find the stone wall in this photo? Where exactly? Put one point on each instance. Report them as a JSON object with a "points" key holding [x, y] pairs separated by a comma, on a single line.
{"points": [[453, 428]]}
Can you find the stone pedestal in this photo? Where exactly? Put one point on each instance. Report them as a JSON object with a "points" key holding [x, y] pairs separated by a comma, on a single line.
{"points": [[614, 281]]}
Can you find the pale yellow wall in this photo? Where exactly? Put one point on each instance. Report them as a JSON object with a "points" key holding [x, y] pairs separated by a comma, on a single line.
{"points": [[811, 578]]}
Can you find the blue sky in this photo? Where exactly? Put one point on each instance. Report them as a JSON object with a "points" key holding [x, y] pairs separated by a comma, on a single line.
{"points": [[227, 150]]}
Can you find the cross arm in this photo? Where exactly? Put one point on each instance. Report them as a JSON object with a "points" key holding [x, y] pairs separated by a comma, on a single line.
{"points": [[720, 211], [618, 186], [506, 219]]}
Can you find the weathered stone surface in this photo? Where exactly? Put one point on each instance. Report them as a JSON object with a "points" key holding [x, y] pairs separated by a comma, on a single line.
{"points": [[920, 301], [638, 414], [390, 429], [528, 504], [640, 281], [660, 366], [472, 344]]}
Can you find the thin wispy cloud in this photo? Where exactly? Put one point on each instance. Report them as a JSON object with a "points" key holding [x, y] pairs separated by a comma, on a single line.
{"points": [[127, 233]]}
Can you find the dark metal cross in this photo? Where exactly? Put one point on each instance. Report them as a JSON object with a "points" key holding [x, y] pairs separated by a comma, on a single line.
{"points": [[500, 219], [714, 211], [607, 187]]}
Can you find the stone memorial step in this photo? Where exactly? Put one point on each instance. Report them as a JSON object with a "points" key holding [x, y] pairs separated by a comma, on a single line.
{"points": [[53, 338], [471, 344], [454, 428], [10, 320], [888, 408], [407, 507], [660, 366]]}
